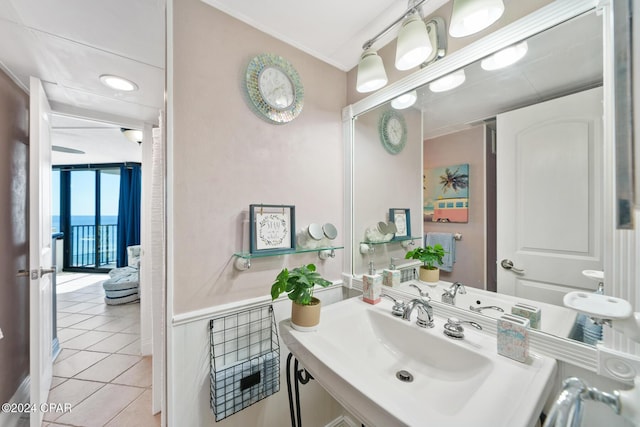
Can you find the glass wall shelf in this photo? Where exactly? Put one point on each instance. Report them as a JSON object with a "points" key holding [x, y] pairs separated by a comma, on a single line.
{"points": [[368, 248], [397, 240], [248, 255], [243, 259]]}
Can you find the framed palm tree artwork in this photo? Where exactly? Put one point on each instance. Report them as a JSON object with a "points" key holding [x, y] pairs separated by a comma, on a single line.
{"points": [[446, 194]]}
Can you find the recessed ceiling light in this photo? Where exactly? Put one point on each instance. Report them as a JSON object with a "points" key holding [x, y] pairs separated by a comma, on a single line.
{"points": [[448, 82], [118, 83]]}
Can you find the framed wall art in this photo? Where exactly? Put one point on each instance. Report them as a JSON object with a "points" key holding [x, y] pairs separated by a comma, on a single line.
{"points": [[271, 229], [402, 219], [446, 194]]}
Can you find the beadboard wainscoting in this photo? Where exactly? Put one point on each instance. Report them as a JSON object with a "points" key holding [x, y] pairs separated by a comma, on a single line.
{"points": [[189, 373]]}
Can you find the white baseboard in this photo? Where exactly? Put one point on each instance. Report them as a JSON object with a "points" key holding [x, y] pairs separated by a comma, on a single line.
{"points": [[146, 347], [11, 419], [343, 421]]}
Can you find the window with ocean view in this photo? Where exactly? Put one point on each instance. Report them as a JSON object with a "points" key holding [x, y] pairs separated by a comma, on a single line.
{"points": [[85, 209]]}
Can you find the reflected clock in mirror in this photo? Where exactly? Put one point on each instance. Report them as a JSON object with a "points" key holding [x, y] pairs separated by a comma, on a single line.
{"points": [[393, 131]]}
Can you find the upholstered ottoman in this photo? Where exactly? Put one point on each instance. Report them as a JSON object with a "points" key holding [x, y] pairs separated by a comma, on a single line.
{"points": [[121, 289]]}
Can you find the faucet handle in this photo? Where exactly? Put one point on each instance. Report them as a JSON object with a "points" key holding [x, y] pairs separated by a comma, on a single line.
{"points": [[398, 305], [422, 294], [453, 328], [459, 287]]}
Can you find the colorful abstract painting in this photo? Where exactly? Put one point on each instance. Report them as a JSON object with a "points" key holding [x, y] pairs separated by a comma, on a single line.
{"points": [[446, 194]]}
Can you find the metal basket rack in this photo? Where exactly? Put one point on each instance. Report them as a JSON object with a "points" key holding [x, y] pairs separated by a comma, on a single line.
{"points": [[245, 360]]}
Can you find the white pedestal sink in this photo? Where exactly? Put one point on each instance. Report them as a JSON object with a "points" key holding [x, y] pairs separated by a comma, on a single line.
{"points": [[358, 349]]}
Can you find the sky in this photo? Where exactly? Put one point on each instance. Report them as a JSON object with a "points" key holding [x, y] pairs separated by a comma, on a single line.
{"points": [[83, 193]]}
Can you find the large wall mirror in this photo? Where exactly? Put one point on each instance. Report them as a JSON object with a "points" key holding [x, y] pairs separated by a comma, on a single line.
{"points": [[534, 204]]}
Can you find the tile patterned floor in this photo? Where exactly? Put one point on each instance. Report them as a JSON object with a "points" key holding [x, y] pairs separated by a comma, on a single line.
{"points": [[99, 371]]}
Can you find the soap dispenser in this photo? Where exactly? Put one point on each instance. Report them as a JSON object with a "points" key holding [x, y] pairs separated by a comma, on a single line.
{"points": [[371, 286], [391, 276]]}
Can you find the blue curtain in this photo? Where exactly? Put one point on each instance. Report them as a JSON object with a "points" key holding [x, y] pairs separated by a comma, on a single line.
{"points": [[128, 211]]}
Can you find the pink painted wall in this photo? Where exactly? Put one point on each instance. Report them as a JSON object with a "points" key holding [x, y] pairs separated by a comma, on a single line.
{"points": [[464, 147], [382, 181], [226, 157]]}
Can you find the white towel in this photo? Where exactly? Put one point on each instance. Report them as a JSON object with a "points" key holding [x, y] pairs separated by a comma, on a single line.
{"points": [[448, 242], [271, 373]]}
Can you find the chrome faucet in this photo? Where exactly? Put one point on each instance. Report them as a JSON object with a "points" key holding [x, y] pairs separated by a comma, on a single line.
{"points": [[425, 312], [449, 295], [568, 407], [420, 292]]}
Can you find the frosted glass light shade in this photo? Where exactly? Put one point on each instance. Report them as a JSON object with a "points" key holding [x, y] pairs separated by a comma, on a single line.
{"points": [[470, 16], [371, 73], [448, 82], [505, 57], [405, 101], [413, 46]]}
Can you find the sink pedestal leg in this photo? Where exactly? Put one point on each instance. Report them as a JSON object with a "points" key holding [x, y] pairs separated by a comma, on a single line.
{"points": [[301, 376]]}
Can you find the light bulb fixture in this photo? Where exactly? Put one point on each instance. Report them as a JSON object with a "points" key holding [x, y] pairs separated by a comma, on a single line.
{"points": [[448, 82], [413, 46], [133, 135], [118, 83], [505, 57], [371, 73], [405, 100], [471, 16]]}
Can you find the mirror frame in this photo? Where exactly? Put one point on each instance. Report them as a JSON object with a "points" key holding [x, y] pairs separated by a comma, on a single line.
{"points": [[616, 254]]}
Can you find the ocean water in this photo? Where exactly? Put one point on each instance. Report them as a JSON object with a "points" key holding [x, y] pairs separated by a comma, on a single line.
{"points": [[82, 237], [83, 220]]}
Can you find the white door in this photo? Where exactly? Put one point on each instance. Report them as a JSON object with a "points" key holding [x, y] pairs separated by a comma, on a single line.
{"points": [[40, 261], [549, 196]]}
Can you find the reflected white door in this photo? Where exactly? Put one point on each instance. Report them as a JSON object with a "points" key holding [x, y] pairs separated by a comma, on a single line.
{"points": [[40, 262], [549, 197]]}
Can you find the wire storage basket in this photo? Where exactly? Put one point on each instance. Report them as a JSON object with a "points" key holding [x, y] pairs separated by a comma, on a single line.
{"points": [[245, 360]]}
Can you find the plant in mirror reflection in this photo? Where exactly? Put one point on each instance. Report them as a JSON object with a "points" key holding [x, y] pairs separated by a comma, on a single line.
{"points": [[429, 255]]}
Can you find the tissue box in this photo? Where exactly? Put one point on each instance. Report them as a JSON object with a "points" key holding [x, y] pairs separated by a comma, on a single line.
{"points": [[528, 312], [391, 278], [371, 288], [513, 337]]}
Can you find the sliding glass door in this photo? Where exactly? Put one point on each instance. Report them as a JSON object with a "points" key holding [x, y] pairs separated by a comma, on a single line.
{"points": [[89, 217]]}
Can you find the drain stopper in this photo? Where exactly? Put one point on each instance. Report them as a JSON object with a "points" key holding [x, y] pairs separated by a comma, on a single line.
{"points": [[404, 376]]}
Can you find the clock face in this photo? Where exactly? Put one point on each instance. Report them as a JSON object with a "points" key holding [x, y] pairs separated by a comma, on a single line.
{"points": [[394, 130], [276, 88]]}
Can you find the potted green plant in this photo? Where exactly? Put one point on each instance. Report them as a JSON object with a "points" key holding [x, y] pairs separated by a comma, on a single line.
{"points": [[299, 283], [429, 256]]}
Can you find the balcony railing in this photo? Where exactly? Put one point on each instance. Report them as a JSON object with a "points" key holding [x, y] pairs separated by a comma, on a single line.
{"points": [[83, 245]]}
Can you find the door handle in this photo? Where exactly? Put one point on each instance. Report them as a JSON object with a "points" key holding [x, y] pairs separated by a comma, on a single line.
{"points": [[44, 271], [507, 264], [35, 273]]}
